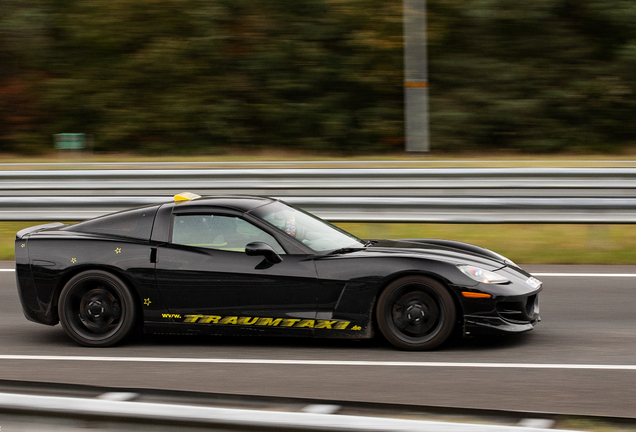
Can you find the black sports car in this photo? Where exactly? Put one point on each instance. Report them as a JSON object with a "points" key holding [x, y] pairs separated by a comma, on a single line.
{"points": [[253, 265]]}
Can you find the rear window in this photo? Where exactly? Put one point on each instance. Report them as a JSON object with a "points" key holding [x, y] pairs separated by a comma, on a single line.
{"points": [[136, 223]]}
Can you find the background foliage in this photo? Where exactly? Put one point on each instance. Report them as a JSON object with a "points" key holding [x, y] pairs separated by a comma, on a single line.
{"points": [[206, 76]]}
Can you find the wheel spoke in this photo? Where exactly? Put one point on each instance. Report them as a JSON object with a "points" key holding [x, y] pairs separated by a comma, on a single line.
{"points": [[401, 323]]}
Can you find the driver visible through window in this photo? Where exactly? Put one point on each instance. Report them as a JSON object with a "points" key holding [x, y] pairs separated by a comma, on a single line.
{"points": [[312, 231], [227, 233]]}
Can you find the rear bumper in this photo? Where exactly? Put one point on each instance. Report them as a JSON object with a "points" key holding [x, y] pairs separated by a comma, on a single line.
{"points": [[33, 308]]}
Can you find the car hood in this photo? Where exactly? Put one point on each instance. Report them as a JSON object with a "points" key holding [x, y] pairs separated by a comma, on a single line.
{"points": [[446, 250]]}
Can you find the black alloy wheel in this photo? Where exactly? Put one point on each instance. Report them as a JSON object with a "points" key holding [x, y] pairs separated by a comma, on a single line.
{"points": [[96, 309], [416, 313]]}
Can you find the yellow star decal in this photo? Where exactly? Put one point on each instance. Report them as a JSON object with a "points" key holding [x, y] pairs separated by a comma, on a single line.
{"points": [[22, 245], [118, 250], [73, 260], [147, 302]]}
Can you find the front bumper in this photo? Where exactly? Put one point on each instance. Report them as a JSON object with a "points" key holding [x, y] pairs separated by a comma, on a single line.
{"points": [[476, 325], [509, 315], [516, 311]]}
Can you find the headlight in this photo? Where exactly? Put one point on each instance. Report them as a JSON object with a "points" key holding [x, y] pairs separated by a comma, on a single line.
{"points": [[481, 275]]}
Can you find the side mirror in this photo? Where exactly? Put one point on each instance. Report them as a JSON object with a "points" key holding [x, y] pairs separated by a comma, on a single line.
{"points": [[264, 250]]}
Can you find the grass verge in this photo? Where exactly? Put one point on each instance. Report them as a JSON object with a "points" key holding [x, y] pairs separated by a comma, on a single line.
{"points": [[522, 243], [269, 158]]}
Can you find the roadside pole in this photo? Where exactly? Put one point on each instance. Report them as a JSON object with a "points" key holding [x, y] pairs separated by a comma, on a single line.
{"points": [[415, 76]]}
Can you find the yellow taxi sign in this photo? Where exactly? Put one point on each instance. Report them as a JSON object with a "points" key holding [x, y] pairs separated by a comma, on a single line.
{"points": [[185, 196]]}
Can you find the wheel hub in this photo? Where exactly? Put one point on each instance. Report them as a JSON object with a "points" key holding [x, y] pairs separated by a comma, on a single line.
{"points": [[99, 310], [95, 308], [416, 313]]}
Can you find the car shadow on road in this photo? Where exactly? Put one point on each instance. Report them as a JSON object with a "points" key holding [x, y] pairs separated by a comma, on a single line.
{"points": [[486, 343], [55, 337], [456, 343]]}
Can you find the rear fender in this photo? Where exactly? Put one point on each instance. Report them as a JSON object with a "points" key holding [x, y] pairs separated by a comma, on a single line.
{"points": [[26, 231]]}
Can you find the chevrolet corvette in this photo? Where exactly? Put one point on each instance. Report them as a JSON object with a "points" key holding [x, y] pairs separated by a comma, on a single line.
{"points": [[246, 265]]}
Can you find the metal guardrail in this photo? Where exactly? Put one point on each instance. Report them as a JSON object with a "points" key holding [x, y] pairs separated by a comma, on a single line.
{"points": [[434, 195], [212, 418]]}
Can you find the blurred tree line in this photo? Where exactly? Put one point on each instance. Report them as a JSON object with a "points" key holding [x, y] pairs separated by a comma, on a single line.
{"points": [[206, 76]]}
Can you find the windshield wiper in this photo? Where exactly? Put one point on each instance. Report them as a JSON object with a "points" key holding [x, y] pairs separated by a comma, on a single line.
{"points": [[345, 250], [370, 242]]}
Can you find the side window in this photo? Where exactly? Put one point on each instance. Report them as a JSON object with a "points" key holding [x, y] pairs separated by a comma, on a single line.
{"points": [[218, 232], [135, 223]]}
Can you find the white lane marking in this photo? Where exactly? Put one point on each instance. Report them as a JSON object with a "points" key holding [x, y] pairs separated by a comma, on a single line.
{"points": [[616, 275], [7, 270], [319, 362]]}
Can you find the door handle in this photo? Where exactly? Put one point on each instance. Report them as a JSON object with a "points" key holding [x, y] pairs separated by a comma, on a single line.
{"points": [[153, 254]]}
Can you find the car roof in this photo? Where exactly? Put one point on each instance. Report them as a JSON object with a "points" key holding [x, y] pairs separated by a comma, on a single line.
{"points": [[242, 203]]}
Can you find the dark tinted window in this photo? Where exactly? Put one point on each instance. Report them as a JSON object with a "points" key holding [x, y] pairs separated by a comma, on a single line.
{"points": [[228, 233], [135, 223]]}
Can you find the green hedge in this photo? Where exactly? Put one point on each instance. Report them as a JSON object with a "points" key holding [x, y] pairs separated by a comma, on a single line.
{"points": [[208, 76]]}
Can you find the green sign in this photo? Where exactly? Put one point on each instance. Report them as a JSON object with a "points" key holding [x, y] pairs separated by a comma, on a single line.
{"points": [[70, 141]]}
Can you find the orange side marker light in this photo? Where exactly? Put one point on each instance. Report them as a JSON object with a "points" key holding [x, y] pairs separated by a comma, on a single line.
{"points": [[475, 294]]}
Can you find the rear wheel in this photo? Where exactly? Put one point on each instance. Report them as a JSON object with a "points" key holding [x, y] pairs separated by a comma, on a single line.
{"points": [[416, 313], [96, 309]]}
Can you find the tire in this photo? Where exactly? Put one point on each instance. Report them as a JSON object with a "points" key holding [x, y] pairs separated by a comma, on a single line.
{"points": [[416, 313], [96, 309]]}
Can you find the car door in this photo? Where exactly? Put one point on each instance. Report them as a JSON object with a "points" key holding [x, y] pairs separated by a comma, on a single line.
{"points": [[207, 280]]}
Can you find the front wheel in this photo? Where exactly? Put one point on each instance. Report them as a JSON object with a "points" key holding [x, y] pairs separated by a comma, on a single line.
{"points": [[416, 313], [96, 309]]}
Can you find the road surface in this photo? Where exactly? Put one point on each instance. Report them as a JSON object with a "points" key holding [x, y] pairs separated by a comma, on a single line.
{"points": [[580, 360]]}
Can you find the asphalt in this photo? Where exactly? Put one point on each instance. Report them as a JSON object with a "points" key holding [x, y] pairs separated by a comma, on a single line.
{"points": [[586, 321]]}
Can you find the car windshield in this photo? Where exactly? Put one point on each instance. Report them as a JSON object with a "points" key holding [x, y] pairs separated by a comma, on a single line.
{"points": [[315, 233]]}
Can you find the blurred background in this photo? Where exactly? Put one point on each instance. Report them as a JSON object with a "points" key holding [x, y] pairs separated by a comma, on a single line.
{"points": [[209, 76], [521, 95]]}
